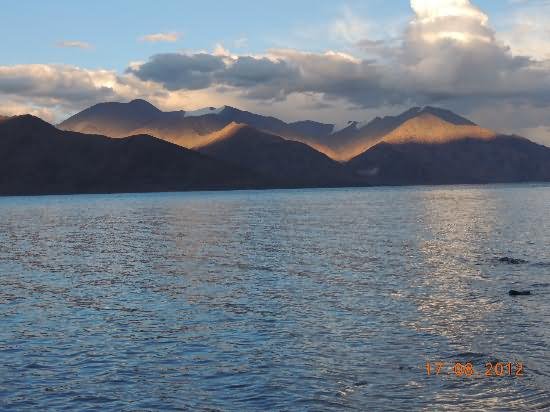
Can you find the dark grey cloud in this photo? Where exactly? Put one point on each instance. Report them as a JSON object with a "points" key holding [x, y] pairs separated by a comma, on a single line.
{"points": [[180, 71], [417, 71], [285, 72], [249, 71], [449, 56]]}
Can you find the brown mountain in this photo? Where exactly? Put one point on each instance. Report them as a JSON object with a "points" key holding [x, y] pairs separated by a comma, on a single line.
{"points": [[192, 129], [141, 117], [37, 158], [428, 128], [356, 138], [289, 163], [430, 150], [420, 146], [186, 129]]}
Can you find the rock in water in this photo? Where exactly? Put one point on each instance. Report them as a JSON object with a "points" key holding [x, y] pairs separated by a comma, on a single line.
{"points": [[519, 293], [512, 261]]}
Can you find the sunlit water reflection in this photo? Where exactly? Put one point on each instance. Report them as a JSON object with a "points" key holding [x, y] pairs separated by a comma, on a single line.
{"points": [[274, 300]]}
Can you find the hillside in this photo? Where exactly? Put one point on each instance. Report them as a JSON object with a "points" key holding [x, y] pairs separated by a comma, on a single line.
{"points": [[37, 158], [287, 162], [427, 160]]}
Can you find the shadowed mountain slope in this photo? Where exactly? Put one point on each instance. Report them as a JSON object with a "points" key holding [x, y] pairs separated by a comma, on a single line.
{"points": [[420, 146], [450, 154], [288, 162], [37, 158]]}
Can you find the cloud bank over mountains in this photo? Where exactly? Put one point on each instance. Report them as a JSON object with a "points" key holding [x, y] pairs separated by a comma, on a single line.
{"points": [[448, 55]]}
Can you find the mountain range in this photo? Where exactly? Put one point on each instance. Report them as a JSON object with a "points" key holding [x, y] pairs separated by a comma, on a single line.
{"points": [[191, 129], [126, 147], [37, 158]]}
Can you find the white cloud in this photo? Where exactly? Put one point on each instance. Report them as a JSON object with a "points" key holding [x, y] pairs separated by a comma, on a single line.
{"points": [[64, 89], [241, 43], [74, 44], [429, 10], [526, 31], [16, 108], [161, 37], [457, 20], [349, 27]]}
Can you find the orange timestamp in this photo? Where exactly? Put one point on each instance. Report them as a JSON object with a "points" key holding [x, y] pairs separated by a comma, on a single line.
{"points": [[468, 370]]}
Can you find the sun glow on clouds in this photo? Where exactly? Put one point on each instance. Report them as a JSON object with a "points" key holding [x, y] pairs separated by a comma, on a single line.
{"points": [[429, 10], [457, 20]]}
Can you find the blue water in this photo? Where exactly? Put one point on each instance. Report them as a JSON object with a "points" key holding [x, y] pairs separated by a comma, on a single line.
{"points": [[274, 300]]}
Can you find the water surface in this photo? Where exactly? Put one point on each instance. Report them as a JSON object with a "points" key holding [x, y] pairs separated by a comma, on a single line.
{"points": [[274, 300]]}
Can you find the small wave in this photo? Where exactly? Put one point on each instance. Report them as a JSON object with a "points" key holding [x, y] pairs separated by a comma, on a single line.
{"points": [[469, 355]]}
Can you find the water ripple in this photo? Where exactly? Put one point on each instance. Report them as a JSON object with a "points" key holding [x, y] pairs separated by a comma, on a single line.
{"points": [[275, 300]]}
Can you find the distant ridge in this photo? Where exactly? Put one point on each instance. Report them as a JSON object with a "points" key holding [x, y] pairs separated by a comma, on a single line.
{"points": [[186, 129], [193, 128]]}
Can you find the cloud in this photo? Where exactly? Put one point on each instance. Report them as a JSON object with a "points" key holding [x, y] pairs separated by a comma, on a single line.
{"points": [[430, 10], [453, 56], [15, 108], [180, 71], [55, 92], [349, 27], [241, 43], [65, 89], [74, 44], [161, 37], [55, 82], [448, 54], [526, 30]]}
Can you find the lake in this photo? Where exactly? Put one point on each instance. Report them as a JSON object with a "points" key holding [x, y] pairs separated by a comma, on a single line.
{"points": [[330, 299]]}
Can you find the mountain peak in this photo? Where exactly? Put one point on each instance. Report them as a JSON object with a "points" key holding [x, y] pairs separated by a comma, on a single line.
{"points": [[447, 115], [27, 119], [26, 124], [204, 111], [429, 128], [143, 103]]}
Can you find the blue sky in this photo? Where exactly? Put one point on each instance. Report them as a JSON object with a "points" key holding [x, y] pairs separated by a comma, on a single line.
{"points": [[33, 28], [113, 27], [329, 60]]}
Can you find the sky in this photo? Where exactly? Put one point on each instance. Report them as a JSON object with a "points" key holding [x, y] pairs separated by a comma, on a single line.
{"points": [[330, 61]]}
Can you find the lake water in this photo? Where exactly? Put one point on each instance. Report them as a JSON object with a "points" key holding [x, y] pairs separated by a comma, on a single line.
{"points": [[275, 300]]}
